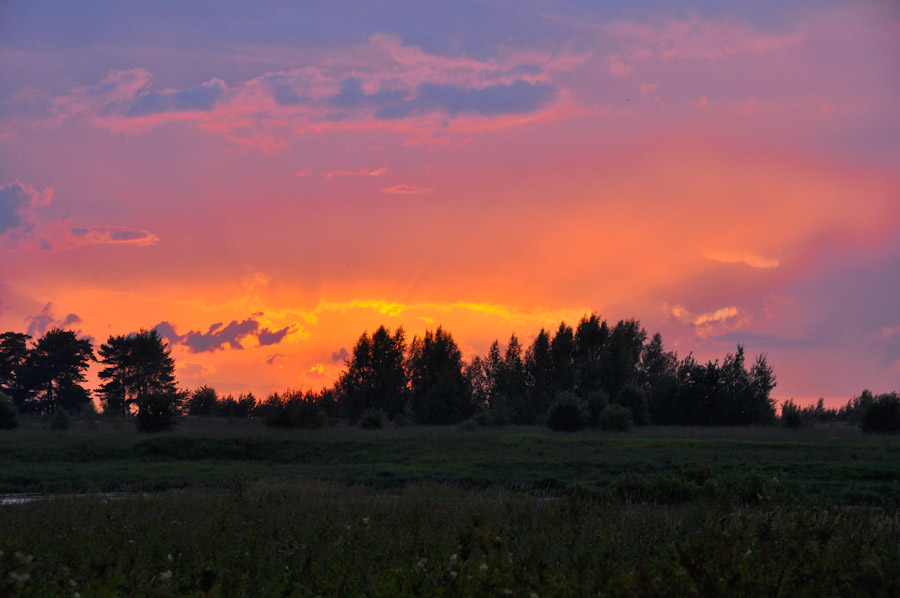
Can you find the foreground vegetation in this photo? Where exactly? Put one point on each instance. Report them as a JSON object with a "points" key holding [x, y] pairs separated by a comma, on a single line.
{"points": [[318, 538], [238, 508]]}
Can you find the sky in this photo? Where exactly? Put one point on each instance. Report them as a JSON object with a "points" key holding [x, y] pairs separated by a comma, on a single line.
{"points": [[263, 181]]}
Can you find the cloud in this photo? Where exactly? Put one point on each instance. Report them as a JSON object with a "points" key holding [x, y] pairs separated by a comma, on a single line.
{"points": [[619, 68], [39, 324], [18, 202], [23, 228], [269, 337], [382, 84], [512, 98], [113, 235], [340, 355], [218, 336], [271, 358], [403, 189], [696, 38], [364, 172], [714, 323], [748, 259]]}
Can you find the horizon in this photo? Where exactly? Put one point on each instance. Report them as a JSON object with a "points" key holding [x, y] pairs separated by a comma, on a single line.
{"points": [[263, 185]]}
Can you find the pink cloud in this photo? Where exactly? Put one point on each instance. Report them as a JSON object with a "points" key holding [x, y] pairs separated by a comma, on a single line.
{"points": [[698, 38], [403, 189], [383, 85]]}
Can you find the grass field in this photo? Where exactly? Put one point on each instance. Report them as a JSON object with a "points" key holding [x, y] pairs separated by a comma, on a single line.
{"points": [[219, 508]]}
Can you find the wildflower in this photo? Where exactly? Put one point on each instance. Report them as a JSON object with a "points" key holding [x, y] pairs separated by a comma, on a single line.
{"points": [[453, 558], [19, 578], [169, 557], [365, 521], [165, 576], [483, 567], [453, 574], [533, 595], [421, 563]]}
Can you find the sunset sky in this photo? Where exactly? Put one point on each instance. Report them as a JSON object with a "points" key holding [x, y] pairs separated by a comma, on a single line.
{"points": [[263, 182]]}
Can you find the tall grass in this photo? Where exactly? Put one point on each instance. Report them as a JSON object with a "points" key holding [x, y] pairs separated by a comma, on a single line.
{"points": [[317, 538]]}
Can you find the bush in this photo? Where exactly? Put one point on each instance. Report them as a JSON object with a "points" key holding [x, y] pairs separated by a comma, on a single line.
{"points": [[156, 412], [469, 425], [8, 413], [615, 418], [883, 415], [372, 419], [791, 415], [489, 418], [567, 413], [596, 402], [60, 420], [635, 400]]}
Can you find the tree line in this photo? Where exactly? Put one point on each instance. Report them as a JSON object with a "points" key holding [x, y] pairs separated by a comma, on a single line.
{"points": [[591, 375]]}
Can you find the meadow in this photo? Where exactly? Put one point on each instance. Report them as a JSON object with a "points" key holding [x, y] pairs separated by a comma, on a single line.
{"points": [[224, 508]]}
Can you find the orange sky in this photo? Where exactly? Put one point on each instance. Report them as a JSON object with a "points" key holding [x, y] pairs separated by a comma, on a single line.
{"points": [[725, 177]]}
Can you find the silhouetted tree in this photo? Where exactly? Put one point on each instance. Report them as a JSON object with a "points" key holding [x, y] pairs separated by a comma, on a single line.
{"points": [[156, 411], [514, 381], [203, 401], [658, 377], [294, 409], [539, 375], [562, 352], [625, 346], [240, 408], [762, 381], [16, 378], [438, 390], [135, 364], [59, 360], [591, 351], [375, 376]]}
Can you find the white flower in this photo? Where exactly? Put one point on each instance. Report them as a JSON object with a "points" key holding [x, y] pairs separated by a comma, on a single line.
{"points": [[165, 576], [483, 567]]}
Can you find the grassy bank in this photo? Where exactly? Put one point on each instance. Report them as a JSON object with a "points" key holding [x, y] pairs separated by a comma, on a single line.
{"points": [[838, 465]]}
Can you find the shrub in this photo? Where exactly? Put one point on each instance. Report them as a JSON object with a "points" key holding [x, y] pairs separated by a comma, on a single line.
{"points": [[156, 412], [488, 418], [791, 415], [372, 419], [596, 401], [635, 400], [60, 420], [615, 418], [8, 413], [567, 413], [469, 425], [883, 415]]}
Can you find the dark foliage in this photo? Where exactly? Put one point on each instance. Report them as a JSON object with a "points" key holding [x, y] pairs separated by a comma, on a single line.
{"points": [[791, 415], [615, 418], [134, 365], [294, 409], [568, 413], [372, 419], [375, 376], [57, 364], [883, 415], [203, 401], [156, 411], [8, 413]]}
